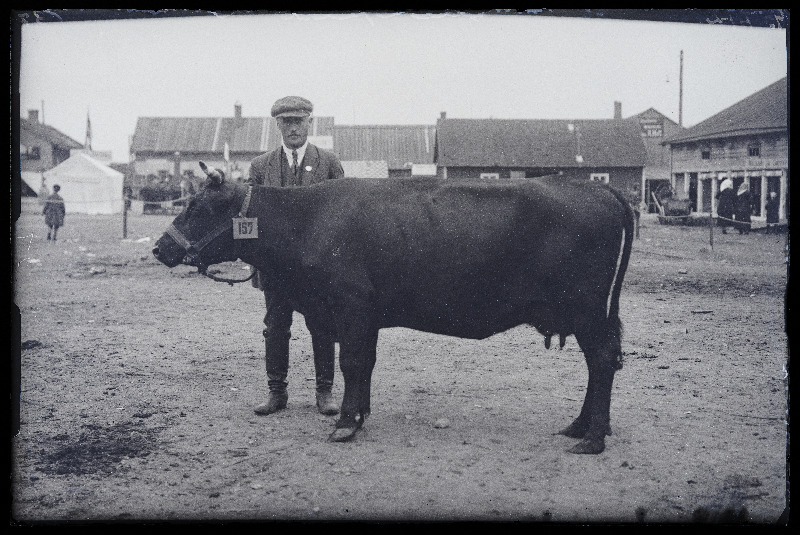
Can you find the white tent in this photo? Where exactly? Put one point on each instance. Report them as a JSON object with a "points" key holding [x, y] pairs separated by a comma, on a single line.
{"points": [[87, 185]]}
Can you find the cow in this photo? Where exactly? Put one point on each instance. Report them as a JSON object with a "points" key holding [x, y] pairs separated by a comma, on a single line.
{"points": [[468, 259]]}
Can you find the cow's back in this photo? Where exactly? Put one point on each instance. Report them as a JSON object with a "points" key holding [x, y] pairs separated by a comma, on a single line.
{"points": [[473, 258]]}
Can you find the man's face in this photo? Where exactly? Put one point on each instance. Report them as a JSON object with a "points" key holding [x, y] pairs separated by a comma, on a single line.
{"points": [[294, 130]]}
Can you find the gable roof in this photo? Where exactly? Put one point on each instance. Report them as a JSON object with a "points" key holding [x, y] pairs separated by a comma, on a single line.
{"points": [[209, 134], [539, 143], [398, 145], [763, 111], [650, 112], [49, 133]]}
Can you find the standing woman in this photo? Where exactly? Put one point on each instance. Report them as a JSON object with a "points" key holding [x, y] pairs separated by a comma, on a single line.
{"points": [[54, 212], [772, 212], [727, 199], [743, 208]]}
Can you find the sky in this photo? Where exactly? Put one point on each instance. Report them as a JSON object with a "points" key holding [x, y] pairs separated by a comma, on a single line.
{"points": [[386, 68]]}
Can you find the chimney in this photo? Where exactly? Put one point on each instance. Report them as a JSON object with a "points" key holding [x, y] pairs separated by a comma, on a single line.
{"points": [[33, 116], [237, 110], [617, 109], [444, 115]]}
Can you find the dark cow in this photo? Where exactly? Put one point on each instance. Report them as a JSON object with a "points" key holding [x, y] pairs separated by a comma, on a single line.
{"points": [[466, 259]]}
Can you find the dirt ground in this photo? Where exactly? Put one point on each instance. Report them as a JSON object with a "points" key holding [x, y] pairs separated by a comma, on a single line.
{"points": [[139, 383]]}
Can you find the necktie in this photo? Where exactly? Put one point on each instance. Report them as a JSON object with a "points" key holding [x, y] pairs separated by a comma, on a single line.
{"points": [[294, 165]]}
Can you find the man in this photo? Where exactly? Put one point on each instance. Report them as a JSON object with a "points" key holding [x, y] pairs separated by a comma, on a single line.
{"points": [[295, 163], [54, 213]]}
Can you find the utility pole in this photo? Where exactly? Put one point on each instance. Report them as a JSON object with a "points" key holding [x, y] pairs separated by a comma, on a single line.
{"points": [[680, 94]]}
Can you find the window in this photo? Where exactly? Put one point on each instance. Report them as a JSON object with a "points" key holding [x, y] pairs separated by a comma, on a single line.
{"points": [[599, 177], [29, 153], [754, 149], [705, 154], [495, 176], [517, 174]]}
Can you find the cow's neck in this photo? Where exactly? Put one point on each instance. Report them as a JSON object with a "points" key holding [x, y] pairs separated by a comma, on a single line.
{"points": [[277, 225]]}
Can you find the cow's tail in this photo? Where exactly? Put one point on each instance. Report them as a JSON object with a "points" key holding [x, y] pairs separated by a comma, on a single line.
{"points": [[623, 258]]}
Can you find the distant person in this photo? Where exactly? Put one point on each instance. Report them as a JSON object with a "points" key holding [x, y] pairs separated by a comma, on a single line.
{"points": [[634, 199], [296, 163], [726, 204], [743, 208], [43, 192], [185, 186], [54, 213], [772, 212], [236, 173]]}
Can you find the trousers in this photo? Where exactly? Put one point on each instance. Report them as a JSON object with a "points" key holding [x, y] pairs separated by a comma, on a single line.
{"points": [[277, 333]]}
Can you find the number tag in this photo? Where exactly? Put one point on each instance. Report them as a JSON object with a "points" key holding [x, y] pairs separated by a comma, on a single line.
{"points": [[245, 228]]}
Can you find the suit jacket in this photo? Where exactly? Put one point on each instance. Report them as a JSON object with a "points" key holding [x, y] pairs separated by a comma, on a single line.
{"points": [[317, 165]]}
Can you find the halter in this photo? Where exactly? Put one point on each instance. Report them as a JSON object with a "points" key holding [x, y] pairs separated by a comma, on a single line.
{"points": [[193, 248]]}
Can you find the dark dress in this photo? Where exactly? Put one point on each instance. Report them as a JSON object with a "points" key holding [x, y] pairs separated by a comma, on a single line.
{"points": [[727, 200], [772, 211], [743, 208]]}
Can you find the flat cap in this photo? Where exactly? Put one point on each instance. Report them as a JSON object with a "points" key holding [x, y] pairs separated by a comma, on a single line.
{"points": [[292, 107]]}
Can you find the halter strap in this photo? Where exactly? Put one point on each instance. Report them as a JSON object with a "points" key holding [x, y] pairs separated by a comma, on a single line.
{"points": [[193, 249]]}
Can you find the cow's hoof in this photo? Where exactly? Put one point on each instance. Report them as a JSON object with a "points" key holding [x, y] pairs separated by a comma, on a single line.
{"points": [[589, 446], [574, 430], [343, 434]]}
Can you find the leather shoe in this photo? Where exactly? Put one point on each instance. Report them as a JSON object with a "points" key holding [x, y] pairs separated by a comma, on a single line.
{"points": [[325, 404], [276, 402]]}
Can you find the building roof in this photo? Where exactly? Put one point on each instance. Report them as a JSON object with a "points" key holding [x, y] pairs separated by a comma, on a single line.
{"points": [[539, 143], [49, 133], [650, 112], [398, 145], [365, 169], [763, 111], [209, 134]]}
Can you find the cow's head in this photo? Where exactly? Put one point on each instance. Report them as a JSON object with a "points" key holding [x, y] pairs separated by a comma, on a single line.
{"points": [[202, 234]]}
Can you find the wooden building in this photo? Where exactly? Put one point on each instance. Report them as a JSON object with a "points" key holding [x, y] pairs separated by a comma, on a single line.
{"points": [[748, 141], [406, 149], [608, 150], [654, 127], [42, 147], [164, 149]]}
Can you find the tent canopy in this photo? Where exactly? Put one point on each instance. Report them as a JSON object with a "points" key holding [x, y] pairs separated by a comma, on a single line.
{"points": [[87, 185]]}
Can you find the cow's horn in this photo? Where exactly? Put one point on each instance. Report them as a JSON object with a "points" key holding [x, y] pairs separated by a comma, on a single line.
{"points": [[216, 175]]}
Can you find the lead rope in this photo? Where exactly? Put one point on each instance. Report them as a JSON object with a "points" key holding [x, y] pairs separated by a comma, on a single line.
{"points": [[242, 213]]}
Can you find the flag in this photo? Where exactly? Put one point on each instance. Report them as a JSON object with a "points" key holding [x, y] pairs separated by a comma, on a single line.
{"points": [[88, 132]]}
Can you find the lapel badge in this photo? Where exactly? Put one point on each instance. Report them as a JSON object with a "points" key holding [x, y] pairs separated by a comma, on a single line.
{"points": [[308, 168]]}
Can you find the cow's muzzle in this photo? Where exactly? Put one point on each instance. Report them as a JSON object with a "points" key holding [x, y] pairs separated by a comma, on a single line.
{"points": [[191, 249]]}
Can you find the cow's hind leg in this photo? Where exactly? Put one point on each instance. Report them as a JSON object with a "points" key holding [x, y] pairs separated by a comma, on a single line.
{"points": [[356, 360], [602, 350]]}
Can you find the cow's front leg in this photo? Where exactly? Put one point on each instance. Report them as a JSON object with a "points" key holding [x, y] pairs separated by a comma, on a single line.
{"points": [[356, 360]]}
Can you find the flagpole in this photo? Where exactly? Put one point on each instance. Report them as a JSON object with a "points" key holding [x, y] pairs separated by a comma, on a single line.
{"points": [[88, 142]]}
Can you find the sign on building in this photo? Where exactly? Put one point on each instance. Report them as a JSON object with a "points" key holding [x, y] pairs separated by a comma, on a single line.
{"points": [[652, 126]]}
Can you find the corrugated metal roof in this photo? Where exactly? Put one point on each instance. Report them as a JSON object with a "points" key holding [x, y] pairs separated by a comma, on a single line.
{"points": [[49, 133], [763, 111], [209, 134], [398, 145], [539, 143]]}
